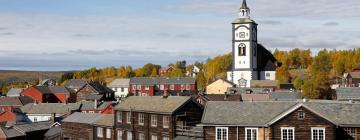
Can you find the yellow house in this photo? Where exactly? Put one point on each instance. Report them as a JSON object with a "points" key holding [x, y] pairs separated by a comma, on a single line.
{"points": [[218, 87]]}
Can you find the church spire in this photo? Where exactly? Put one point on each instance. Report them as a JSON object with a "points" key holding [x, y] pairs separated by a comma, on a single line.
{"points": [[244, 10]]}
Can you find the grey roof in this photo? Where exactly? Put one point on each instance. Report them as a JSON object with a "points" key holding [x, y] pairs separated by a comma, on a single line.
{"points": [[10, 133], [30, 127], [52, 89], [105, 120], [14, 92], [161, 80], [94, 97], [49, 108], [243, 20], [283, 96], [86, 118], [237, 90], [90, 105], [262, 113], [348, 93], [76, 83], [119, 83], [355, 75], [153, 103], [15, 101], [263, 83], [53, 131], [244, 5]]}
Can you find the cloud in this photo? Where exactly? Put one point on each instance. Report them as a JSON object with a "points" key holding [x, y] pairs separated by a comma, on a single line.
{"points": [[331, 23], [184, 35], [270, 22], [7, 34], [82, 35]]}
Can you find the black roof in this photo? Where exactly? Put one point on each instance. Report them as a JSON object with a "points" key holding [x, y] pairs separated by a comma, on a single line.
{"points": [[265, 59]]}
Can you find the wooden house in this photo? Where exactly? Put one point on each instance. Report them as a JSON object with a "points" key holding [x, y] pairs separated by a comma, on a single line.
{"points": [[89, 90], [157, 117], [311, 120], [48, 94]]}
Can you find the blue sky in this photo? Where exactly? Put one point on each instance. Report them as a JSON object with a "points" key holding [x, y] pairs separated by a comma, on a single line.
{"points": [[78, 34]]}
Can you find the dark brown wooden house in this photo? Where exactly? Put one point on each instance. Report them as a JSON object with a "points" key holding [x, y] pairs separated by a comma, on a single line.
{"points": [[90, 126], [156, 117], [89, 90], [311, 120]]}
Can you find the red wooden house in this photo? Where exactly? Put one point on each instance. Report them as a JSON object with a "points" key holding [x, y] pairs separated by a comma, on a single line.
{"points": [[45, 94], [156, 86]]}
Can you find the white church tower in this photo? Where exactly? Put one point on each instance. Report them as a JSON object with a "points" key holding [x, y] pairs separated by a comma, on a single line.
{"points": [[244, 48]]}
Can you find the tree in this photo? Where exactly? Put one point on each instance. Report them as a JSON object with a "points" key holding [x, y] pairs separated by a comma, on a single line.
{"points": [[298, 82], [201, 81], [154, 73]]}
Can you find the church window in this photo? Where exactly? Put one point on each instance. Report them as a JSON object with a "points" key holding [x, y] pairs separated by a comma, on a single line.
{"points": [[242, 49]]}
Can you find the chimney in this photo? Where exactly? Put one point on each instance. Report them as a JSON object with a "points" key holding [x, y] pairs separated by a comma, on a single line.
{"points": [[95, 104], [166, 94]]}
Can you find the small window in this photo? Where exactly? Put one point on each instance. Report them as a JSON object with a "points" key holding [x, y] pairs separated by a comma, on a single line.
{"points": [[119, 116], [153, 120], [161, 87], [129, 135], [141, 119], [350, 132], [141, 136], [122, 89], [172, 87], [166, 120], [221, 133], [317, 133], [133, 87], [182, 87], [287, 133], [119, 135], [128, 117], [242, 49], [301, 115], [108, 133], [35, 119], [153, 137], [251, 133], [147, 88], [100, 132], [138, 87], [166, 138], [187, 86]]}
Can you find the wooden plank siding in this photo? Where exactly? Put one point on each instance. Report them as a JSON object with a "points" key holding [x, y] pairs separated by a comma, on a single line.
{"points": [[77, 130]]}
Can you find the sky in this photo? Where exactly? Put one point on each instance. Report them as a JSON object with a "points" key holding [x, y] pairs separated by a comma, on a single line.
{"points": [[61, 35]]}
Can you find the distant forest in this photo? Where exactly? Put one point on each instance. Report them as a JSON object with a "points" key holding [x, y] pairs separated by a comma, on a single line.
{"points": [[310, 73]]}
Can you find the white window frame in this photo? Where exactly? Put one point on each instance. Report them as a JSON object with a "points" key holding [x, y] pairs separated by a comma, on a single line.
{"points": [[166, 138], [251, 128], [183, 87], [99, 132], [226, 129], [147, 87], [162, 87], [35, 119], [318, 129], [351, 131], [133, 87], [153, 120], [128, 117], [301, 114], [288, 128], [141, 117], [154, 137], [166, 121], [119, 116], [108, 133], [172, 87], [129, 135], [141, 136], [120, 134], [138, 87], [188, 86]]}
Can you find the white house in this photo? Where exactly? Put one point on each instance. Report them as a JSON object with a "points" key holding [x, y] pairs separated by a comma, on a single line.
{"points": [[251, 60], [120, 86]]}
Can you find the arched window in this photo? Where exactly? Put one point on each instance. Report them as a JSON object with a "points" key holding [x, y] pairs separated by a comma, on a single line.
{"points": [[242, 49]]}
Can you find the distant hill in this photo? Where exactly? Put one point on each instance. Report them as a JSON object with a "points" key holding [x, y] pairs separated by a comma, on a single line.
{"points": [[14, 76]]}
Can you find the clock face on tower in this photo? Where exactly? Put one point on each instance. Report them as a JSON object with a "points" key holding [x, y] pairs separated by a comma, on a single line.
{"points": [[242, 32]]}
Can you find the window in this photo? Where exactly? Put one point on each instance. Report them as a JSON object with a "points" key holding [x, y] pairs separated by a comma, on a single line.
{"points": [[119, 135], [141, 136], [221, 133], [91, 112], [35, 119], [119, 116], [182, 87], [350, 132], [129, 135], [166, 138], [187, 87], [134, 87], [301, 115], [153, 120], [122, 89], [100, 132], [141, 119], [153, 137], [161, 87], [199, 101], [172, 87], [146, 87], [287, 133], [251, 133], [242, 49], [317, 133], [138, 87], [166, 121], [108, 133], [128, 117]]}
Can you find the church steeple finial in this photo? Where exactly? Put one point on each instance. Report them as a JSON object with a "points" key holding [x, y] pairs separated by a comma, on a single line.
{"points": [[244, 10]]}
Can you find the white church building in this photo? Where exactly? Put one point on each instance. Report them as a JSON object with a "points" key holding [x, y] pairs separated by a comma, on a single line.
{"points": [[251, 60]]}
